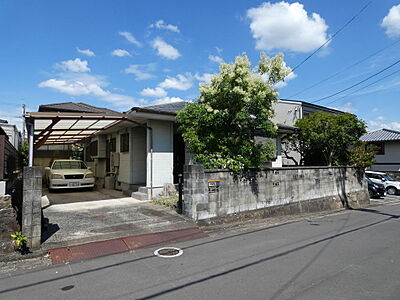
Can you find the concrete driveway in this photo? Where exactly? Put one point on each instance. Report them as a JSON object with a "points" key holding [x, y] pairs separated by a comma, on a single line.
{"points": [[81, 217]]}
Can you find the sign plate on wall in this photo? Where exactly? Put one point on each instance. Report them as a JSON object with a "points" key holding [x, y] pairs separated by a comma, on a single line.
{"points": [[213, 185]]}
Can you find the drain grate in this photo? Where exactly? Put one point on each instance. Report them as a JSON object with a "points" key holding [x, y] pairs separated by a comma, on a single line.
{"points": [[168, 252]]}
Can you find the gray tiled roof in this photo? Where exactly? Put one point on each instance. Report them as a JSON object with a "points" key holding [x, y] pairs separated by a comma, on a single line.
{"points": [[74, 107], [381, 135], [167, 108]]}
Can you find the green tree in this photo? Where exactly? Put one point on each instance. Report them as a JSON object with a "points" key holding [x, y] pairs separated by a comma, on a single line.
{"points": [[326, 139], [220, 126], [23, 153], [362, 155]]}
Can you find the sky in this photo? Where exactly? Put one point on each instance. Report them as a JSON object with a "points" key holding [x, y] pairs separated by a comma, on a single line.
{"points": [[120, 54]]}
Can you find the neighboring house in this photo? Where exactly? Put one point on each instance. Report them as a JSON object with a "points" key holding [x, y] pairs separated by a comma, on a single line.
{"points": [[287, 112], [47, 153], [8, 163], [14, 136], [387, 158]]}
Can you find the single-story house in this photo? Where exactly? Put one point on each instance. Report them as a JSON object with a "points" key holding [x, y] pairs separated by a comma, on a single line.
{"points": [[387, 158], [141, 150]]}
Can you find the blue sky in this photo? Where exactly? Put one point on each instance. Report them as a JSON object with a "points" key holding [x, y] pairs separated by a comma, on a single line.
{"points": [[120, 54]]}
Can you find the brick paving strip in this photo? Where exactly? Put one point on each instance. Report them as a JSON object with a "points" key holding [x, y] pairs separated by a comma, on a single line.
{"points": [[103, 248]]}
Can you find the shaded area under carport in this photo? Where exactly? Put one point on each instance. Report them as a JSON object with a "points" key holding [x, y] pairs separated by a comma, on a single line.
{"points": [[83, 222]]}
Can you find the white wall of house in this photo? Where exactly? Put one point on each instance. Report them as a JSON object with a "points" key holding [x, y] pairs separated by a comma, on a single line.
{"points": [[390, 161], [160, 161], [14, 136], [287, 112]]}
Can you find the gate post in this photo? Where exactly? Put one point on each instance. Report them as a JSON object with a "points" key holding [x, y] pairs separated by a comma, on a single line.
{"points": [[32, 206]]}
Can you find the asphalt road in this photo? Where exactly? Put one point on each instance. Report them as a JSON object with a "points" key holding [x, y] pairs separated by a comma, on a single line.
{"points": [[349, 255]]}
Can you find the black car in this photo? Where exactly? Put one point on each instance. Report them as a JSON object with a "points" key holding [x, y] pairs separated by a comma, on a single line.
{"points": [[375, 190]]}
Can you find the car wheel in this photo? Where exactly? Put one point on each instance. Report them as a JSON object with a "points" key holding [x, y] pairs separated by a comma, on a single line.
{"points": [[391, 191], [371, 194]]}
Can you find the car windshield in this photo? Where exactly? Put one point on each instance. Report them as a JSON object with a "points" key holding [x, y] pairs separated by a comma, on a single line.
{"points": [[68, 165], [388, 178]]}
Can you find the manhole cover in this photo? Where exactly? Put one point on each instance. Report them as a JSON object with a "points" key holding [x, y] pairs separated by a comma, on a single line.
{"points": [[168, 252]]}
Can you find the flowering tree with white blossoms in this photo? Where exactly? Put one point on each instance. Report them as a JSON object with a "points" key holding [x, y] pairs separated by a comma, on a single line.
{"points": [[219, 128]]}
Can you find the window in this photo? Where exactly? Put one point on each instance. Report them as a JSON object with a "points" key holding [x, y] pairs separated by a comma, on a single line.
{"points": [[380, 147], [68, 164], [124, 145], [93, 148]]}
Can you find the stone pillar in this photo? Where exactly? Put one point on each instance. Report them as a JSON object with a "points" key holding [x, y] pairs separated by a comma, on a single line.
{"points": [[195, 190], [32, 206]]}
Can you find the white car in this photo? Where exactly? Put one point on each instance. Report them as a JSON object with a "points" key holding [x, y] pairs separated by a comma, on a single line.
{"points": [[68, 174], [392, 186]]}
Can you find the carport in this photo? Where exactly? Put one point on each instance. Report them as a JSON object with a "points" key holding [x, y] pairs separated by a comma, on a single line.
{"points": [[55, 128]]}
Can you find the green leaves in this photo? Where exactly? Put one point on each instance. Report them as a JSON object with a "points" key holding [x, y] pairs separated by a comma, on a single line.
{"points": [[220, 127], [326, 138], [19, 238]]}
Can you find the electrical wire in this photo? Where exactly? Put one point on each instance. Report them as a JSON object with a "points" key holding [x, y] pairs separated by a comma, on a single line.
{"points": [[358, 83], [333, 36], [364, 87], [345, 69]]}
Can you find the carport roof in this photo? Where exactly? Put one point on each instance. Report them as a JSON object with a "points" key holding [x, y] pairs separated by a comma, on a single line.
{"points": [[52, 128]]}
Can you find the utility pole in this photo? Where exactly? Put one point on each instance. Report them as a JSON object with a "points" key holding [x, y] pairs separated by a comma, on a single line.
{"points": [[23, 122]]}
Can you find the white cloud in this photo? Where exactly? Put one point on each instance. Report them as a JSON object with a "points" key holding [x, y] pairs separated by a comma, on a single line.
{"points": [[286, 26], [141, 72], [130, 38], [168, 100], [156, 92], [180, 82], [348, 107], [164, 49], [375, 109], [86, 52], [215, 58], [206, 77], [73, 65], [373, 125], [86, 85], [391, 22], [160, 24], [120, 53], [219, 50]]}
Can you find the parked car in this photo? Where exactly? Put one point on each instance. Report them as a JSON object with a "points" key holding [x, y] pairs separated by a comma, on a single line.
{"points": [[375, 190], [68, 174], [392, 186]]}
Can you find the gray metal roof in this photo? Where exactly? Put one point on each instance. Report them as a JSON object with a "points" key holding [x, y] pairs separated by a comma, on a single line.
{"points": [[166, 108], [74, 107], [381, 135]]}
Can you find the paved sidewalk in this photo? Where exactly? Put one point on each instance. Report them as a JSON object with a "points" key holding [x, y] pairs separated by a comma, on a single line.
{"points": [[103, 248]]}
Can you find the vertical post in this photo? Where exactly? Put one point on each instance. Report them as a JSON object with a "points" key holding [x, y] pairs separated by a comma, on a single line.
{"points": [[32, 206], [180, 193], [31, 132]]}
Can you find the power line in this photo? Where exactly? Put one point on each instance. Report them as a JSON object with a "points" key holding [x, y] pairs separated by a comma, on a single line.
{"points": [[345, 69], [358, 83], [364, 87], [333, 36]]}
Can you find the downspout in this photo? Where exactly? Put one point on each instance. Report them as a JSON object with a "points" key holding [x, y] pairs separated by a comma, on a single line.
{"points": [[151, 163]]}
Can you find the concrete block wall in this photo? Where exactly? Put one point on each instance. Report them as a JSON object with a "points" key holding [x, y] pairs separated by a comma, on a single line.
{"points": [[213, 194], [32, 206]]}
